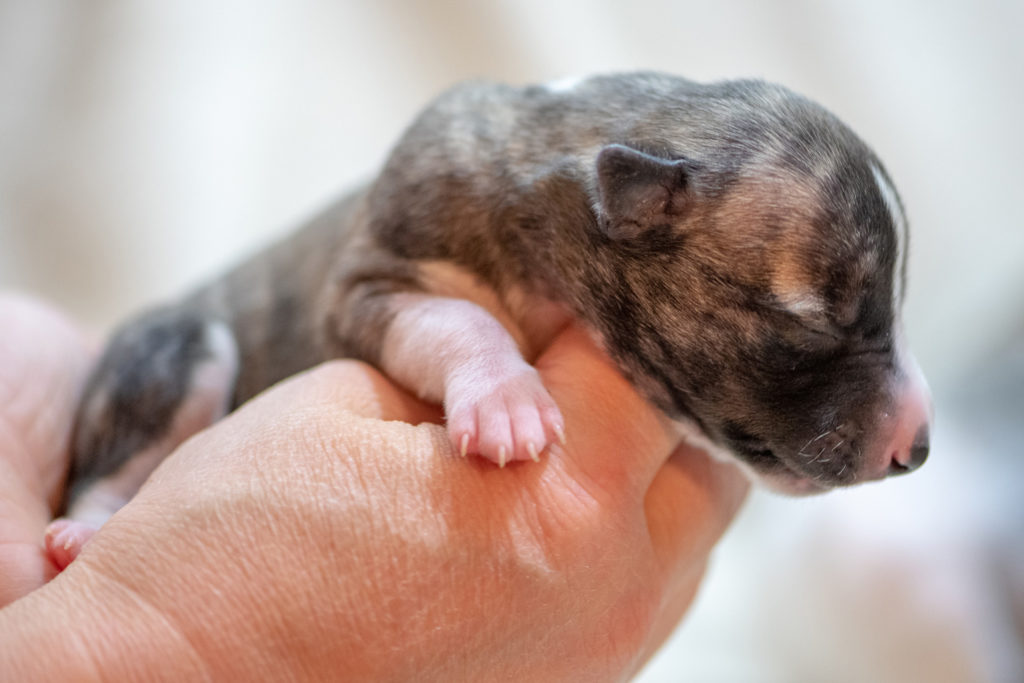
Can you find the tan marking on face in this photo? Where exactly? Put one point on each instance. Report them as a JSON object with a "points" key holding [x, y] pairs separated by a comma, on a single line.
{"points": [[771, 222], [795, 287], [847, 312]]}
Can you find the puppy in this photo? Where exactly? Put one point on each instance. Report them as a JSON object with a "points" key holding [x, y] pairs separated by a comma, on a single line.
{"points": [[736, 249]]}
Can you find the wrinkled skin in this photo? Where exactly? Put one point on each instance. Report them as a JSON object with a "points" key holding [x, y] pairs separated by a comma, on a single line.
{"points": [[317, 534]]}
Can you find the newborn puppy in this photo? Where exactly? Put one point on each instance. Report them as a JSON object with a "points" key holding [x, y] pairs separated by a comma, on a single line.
{"points": [[736, 249]]}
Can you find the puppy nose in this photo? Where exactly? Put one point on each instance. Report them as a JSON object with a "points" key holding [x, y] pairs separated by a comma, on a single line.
{"points": [[909, 459], [909, 442]]}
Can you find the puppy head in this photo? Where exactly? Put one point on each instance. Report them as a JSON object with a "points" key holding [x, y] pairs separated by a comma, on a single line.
{"points": [[758, 295]]}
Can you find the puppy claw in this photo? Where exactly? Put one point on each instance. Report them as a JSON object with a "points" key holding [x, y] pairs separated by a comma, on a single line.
{"points": [[560, 433], [463, 445], [501, 457], [532, 450]]}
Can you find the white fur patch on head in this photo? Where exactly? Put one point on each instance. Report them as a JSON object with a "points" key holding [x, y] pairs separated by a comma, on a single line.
{"points": [[899, 221], [564, 84]]}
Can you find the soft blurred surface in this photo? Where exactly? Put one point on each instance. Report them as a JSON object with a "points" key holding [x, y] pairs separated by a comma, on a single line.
{"points": [[146, 145]]}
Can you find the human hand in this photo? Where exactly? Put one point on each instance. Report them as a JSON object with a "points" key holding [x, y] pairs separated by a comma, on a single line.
{"points": [[306, 537], [43, 363]]}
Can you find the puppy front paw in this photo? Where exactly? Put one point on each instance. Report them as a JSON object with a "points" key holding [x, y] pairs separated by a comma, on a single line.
{"points": [[503, 415]]}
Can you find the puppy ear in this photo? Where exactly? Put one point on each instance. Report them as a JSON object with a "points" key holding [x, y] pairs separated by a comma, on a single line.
{"points": [[638, 191]]}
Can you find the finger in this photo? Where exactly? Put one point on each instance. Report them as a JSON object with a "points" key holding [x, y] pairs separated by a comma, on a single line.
{"points": [[615, 440], [689, 505], [677, 598], [44, 360]]}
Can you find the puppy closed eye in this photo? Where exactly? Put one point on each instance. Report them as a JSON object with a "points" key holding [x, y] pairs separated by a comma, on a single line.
{"points": [[802, 303], [810, 313]]}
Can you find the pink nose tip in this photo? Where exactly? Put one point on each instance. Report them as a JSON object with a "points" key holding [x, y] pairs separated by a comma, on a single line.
{"points": [[908, 445], [909, 457]]}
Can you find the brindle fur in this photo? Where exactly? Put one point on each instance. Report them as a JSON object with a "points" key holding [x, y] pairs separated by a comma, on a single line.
{"points": [[768, 195]]}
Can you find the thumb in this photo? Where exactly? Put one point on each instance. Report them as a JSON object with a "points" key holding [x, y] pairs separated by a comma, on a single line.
{"points": [[689, 506], [616, 440]]}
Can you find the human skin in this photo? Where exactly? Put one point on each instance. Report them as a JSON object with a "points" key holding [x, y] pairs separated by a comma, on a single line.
{"points": [[325, 531]]}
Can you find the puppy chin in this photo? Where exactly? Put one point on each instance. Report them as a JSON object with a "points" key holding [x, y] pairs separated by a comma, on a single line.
{"points": [[788, 484], [784, 482]]}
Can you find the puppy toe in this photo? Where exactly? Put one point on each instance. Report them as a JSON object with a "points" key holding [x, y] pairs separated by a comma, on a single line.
{"points": [[495, 437], [64, 540]]}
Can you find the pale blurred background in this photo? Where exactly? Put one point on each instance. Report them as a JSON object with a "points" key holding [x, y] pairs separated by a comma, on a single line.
{"points": [[145, 145]]}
